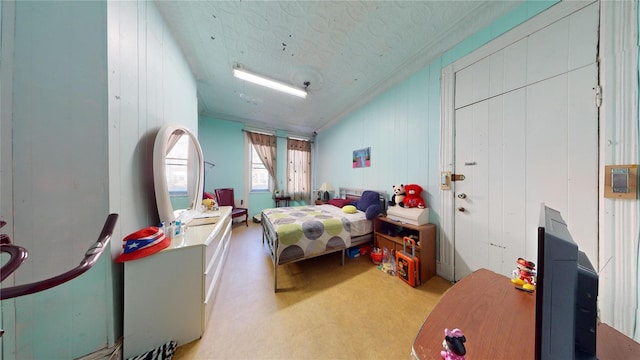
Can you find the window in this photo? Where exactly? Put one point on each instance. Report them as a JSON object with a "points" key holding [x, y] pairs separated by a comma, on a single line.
{"points": [[260, 179], [176, 164], [177, 172], [263, 160]]}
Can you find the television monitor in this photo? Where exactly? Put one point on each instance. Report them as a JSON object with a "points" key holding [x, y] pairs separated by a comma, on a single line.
{"points": [[566, 294]]}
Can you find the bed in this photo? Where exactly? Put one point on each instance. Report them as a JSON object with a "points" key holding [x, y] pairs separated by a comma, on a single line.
{"points": [[302, 232]]}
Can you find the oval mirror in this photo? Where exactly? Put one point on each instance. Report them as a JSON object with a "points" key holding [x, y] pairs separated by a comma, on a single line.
{"points": [[178, 173]]}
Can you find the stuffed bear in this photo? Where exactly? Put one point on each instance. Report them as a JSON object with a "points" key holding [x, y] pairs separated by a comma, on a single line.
{"points": [[398, 195], [414, 197]]}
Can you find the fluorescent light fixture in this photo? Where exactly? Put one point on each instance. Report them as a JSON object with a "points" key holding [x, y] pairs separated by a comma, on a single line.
{"points": [[272, 84]]}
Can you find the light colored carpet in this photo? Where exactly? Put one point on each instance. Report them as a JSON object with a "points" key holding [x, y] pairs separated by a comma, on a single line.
{"points": [[322, 310]]}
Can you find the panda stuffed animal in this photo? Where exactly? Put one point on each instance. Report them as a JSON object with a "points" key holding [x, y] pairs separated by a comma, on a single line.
{"points": [[398, 195]]}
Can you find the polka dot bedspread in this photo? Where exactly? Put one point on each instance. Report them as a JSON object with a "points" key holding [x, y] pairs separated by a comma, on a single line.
{"points": [[306, 231]]}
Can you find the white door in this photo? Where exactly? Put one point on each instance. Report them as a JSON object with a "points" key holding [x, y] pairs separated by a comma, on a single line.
{"points": [[526, 132]]}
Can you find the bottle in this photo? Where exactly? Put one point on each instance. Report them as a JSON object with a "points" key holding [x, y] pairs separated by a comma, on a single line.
{"points": [[178, 227], [169, 230]]}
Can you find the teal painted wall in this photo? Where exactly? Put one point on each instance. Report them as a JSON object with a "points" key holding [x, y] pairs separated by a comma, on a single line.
{"points": [[395, 126], [402, 126], [57, 202], [85, 87], [150, 84], [223, 143]]}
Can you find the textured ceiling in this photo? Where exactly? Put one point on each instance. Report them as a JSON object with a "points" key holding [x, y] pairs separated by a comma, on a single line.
{"points": [[349, 52]]}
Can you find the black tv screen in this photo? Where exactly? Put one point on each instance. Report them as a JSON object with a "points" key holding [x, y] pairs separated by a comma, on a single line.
{"points": [[566, 294]]}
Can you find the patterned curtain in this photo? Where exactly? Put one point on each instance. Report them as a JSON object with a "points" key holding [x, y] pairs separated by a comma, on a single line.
{"points": [[265, 146], [299, 169]]}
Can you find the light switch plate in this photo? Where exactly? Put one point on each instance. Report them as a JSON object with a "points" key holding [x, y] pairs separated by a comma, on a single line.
{"points": [[620, 181]]}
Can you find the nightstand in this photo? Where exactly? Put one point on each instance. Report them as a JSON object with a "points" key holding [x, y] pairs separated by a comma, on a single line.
{"points": [[285, 198], [389, 233]]}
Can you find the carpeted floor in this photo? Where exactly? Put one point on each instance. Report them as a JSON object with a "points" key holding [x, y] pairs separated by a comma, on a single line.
{"points": [[322, 310]]}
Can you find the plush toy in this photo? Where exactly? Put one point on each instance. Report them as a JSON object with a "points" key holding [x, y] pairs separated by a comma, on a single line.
{"points": [[524, 277], [208, 203], [453, 345], [413, 198], [398, 195]]}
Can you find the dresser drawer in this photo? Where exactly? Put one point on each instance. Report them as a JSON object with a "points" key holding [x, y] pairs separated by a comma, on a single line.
{"points": [[213, 275], [212, 245], [213, 271]]}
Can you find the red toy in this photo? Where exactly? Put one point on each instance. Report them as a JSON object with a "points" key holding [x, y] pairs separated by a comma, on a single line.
{"points": [[408, 263], [414, 197], [524, 277], [453, 345]]}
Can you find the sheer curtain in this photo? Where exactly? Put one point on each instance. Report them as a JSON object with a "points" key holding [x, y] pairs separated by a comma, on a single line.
{"points": [[265, 146], [299, 169]]}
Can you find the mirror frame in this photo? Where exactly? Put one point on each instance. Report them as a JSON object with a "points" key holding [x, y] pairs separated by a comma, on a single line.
{"points": [[163, 200]]}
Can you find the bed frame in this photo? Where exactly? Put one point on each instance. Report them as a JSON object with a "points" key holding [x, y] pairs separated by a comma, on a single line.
{"points": [[270, 237]]}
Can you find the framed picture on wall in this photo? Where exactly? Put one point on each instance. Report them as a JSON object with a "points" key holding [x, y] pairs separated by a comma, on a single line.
{"points": [[362, 158]]}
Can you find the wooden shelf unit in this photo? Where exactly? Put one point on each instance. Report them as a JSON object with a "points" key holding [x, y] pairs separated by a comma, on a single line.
{"points": [[389, 233]]}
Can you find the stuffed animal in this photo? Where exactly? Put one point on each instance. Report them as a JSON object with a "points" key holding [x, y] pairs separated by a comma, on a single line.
{"points": [[453, 345], [413, 198], [398, 195]]}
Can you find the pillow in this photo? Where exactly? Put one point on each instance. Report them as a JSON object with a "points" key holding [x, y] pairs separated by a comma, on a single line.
{"points": [[349, 209], [340, 202], [353, 198], [373, 211], [367, 199]]}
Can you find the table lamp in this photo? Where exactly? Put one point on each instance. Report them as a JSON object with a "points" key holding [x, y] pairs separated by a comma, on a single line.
{"points": [[326, 187]]}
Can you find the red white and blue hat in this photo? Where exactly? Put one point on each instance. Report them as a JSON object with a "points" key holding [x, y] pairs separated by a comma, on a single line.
{"points": [[141, 243]]}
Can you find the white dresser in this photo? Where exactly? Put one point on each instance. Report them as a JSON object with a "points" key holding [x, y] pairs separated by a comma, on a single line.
{"points": [[169, 295]]}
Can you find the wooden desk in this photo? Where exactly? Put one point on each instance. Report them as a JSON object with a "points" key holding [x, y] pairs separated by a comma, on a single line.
{"points": [[286, 200], [498, 322]]}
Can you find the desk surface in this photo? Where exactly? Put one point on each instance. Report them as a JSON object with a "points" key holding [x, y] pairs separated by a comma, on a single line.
{"points": [[498, 322]]}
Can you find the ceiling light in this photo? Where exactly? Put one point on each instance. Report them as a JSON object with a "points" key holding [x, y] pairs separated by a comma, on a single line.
{"points": [[276, 85]]}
